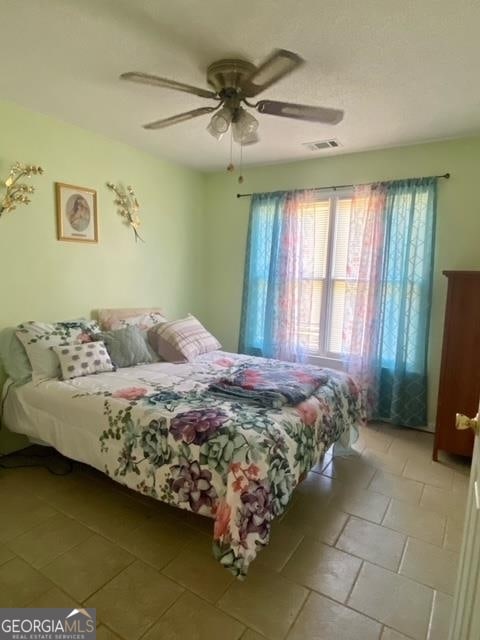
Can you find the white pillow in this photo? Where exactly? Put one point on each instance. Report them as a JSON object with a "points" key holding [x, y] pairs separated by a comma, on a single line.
{"points": [[38, 338], [83, 359]]}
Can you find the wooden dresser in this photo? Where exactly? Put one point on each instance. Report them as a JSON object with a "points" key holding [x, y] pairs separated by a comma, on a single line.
{"points": [[459, 388]]}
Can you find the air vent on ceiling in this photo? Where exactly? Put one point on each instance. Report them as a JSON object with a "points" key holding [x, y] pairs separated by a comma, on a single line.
{"points": [[319, 145]]}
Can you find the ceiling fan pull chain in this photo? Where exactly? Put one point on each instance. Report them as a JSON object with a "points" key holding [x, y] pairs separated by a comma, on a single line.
{"points": [[231, 166], [240, 177]]}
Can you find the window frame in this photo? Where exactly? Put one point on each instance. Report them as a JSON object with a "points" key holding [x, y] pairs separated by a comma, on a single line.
{"points": [[323, 353]]}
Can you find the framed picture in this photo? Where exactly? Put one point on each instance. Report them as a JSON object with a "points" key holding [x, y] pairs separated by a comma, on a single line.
{"points": [[76, 213]]}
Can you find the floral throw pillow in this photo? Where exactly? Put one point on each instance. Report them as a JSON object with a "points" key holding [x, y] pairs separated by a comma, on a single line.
{"points": [[83, 359], [143, 321], [38, 338], [143, 318]]}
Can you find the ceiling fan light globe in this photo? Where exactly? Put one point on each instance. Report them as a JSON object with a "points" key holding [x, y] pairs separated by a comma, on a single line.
{"points": [[221, 120], [213, 131], [250, 139], [245, 127], [243, 137]]}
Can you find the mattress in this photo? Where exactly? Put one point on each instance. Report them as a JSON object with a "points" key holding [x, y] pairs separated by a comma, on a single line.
{"points": [[159, 430]]}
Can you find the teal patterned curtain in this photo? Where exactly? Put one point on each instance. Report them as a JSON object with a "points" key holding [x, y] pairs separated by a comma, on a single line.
{"points": [[261, 290], [388, 300], [405, 303], [277, 292]]}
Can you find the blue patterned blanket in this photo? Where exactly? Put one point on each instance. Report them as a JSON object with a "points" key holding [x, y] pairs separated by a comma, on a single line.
{"points": [[271, 387]]}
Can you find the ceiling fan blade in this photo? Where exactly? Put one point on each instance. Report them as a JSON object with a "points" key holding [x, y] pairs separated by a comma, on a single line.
{"points": [[147, 78], [300, 111], [279, 64], [180, 117]]}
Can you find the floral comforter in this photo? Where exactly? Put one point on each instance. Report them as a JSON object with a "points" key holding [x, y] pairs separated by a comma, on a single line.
{"points": [[166, 435]]}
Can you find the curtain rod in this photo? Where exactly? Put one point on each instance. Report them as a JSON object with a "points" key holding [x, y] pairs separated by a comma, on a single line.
{"points": [[345, 186]]}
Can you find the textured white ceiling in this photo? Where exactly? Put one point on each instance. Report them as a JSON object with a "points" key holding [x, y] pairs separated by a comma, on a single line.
{"points": [[403, 71]]}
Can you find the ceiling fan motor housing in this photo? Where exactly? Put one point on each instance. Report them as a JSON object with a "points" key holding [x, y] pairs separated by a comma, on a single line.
{"points": [[229, 74]]}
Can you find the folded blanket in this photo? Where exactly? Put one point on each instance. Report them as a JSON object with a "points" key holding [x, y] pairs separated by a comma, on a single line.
{"points": [[271, 386]]}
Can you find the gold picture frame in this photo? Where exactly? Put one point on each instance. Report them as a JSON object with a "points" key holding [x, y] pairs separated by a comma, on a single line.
{"points": [[76, 213]]}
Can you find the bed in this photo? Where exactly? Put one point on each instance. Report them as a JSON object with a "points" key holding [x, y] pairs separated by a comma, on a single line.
{"points": [[159, 430]]}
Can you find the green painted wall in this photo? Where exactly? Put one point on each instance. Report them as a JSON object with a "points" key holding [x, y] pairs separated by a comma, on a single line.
{"points": [[42, 278], [458, 227], [194, 226]]}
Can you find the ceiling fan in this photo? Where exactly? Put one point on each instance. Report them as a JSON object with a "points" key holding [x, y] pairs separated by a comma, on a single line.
{"points": [[233, 83]]}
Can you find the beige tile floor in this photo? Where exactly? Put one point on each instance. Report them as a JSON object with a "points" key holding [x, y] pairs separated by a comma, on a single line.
{"points": [[368, 550]]}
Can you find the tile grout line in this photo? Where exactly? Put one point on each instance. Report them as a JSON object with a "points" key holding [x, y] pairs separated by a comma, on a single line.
{"points": [[430, 619], [290, 556], [215, 602], [350, 608], [422, 493], [363, 561], [390, 445], [444, 537], [385, 514], [444, 532], [349, 517], [199, 595], [402, 557], [108, 581], [369, 560], [247, 629], [290, 627], [375, 619], [408, 535], [54, 558], [424, 584], [161, 615], [110, 629], [404, 466], [234, 617], [368, 487], [354, 582], [386, 509], [89, 526], [29, 529]]}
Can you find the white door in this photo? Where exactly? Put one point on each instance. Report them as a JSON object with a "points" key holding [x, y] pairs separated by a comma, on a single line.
{"points": [[465, 623]]}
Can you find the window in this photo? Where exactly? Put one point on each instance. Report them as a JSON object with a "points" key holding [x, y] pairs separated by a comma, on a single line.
{"points": [[324, 238]]}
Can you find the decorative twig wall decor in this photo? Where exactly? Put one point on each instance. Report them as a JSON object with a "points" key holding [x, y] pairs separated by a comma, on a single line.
{"points": [[17, 192], [128, 206]]}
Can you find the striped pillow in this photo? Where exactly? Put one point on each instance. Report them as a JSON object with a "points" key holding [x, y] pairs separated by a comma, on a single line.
{"points": [[180, 340]]}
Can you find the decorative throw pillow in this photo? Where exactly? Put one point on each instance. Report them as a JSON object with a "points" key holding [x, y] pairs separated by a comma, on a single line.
{"points": [[127, 347], [180, 340], [114, 318], [39, 337], [83, 359], [14, 357], [143, 322]]}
